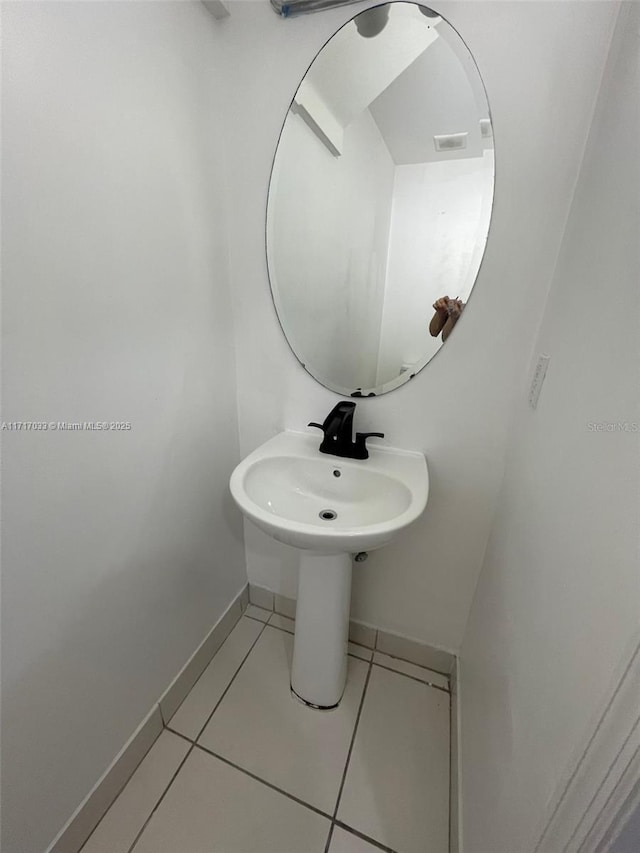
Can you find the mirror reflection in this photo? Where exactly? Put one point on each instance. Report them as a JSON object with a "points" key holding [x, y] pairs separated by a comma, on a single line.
{"points": [[380, 199]]}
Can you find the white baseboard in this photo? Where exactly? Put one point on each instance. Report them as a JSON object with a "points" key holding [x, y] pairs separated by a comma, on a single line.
{"points": [[181, 685], [91, 810], [388, 643]]}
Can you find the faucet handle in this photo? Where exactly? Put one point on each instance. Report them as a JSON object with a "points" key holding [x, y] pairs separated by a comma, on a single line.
{"points": [[361, 443], [314, 424]]}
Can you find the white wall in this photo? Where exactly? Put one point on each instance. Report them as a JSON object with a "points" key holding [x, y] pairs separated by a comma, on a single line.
{"points": [[439, 226], [120, 550], [330, 302], [539, 78], [558, 598]]}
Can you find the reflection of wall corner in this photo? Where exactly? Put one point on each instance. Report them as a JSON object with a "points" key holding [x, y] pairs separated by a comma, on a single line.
{"points": [[307, 118]]}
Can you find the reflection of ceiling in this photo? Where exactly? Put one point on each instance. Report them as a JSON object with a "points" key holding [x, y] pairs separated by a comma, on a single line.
{"points": [[431, 97], [351, 71], [416, 78]]}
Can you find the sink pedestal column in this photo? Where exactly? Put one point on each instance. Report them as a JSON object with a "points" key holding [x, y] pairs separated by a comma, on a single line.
{"points": [[319, 670]]}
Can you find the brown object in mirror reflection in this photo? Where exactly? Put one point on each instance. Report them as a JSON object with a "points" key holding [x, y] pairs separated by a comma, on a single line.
{"points": [[447, 312]]}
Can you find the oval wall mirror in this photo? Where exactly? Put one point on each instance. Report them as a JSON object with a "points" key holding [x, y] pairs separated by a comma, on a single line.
{"points": [[380, 199]]}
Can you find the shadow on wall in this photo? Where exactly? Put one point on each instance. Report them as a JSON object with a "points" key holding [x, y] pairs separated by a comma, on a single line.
{"points": [[69, 713]]}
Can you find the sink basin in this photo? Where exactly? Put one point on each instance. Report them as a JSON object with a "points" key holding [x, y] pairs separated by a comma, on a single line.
{"points": [[330, 508], [328, 504]]}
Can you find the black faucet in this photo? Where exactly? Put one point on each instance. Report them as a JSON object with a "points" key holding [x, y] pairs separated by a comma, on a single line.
{"points": [[338, 433]]}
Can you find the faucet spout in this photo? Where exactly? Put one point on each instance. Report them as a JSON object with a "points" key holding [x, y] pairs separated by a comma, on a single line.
{"points": [[338, 425], [337, 430]]}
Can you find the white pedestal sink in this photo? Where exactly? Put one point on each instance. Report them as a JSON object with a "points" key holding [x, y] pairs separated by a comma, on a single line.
{"points": [[330, 508]]}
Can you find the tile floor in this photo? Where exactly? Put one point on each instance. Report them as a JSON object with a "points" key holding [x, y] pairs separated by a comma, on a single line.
{"points": [[243, 767]]}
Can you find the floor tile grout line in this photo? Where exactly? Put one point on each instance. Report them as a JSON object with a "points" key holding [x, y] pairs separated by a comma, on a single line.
{"points": [[353, 739], [263, 781], [329, 837], [193, 743], [235, 625], [361, 645], [122, 787], [255, 618], [279, 627], [162, 796], [315, 809], [233, 678], [413, 678], [363, 836], [165, 725], [193, 746], [180, 735], [334, 821], [446, 675], [251, 774]]}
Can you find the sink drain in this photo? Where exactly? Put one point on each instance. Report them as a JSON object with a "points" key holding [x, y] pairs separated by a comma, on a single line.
{"points": [[327, 514]]}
